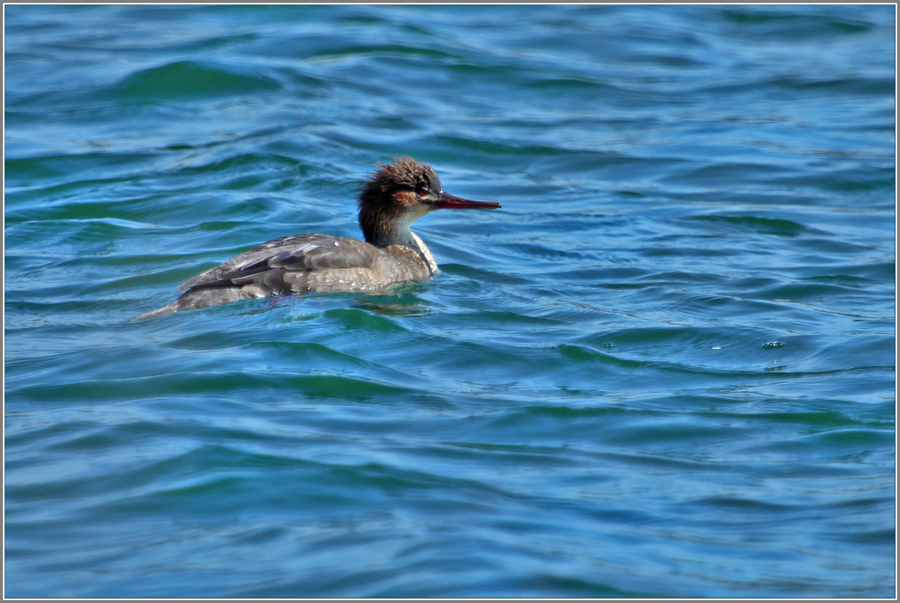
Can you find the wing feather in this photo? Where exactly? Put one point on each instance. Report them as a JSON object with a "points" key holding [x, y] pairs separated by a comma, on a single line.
{"points": [[270, 261]]}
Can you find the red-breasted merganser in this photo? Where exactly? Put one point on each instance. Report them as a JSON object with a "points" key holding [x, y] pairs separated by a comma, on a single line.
{"points": [[392, 197]]}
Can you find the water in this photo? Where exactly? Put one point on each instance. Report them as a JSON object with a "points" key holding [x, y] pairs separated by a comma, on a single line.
{"points": [[665, 368]]}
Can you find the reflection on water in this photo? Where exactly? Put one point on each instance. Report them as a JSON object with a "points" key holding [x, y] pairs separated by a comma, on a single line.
{"points": [[401, 304]]}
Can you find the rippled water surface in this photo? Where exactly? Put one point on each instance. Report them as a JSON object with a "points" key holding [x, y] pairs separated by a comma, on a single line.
{"points": [[664, 369]]}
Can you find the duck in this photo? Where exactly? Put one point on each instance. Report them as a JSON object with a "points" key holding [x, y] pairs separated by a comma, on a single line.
{"points": [[390, 200]]}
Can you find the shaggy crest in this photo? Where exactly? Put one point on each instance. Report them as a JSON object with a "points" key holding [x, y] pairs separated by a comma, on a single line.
{"points": [[379, 203]]}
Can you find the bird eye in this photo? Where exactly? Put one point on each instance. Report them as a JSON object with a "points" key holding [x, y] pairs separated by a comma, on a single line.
{"points": [[422, 191]]}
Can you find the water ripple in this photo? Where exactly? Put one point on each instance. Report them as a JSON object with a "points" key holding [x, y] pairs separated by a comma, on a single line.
{"points": [[664, 369]]}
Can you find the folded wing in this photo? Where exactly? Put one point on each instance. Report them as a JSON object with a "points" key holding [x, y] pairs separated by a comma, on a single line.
{"points": [[267, 264]]}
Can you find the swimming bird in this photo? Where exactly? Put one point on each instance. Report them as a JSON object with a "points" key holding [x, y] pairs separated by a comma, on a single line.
{"points": [[393, 197]]}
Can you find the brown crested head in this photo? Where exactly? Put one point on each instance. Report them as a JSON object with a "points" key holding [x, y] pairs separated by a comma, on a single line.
{"points": [[395, 183], [400, 192]]}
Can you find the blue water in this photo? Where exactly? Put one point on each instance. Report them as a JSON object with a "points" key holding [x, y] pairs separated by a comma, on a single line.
{"points": [[666, 368]]}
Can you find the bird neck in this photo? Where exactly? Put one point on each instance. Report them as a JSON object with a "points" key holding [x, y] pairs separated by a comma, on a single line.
{"points": [[381, 231], [383, 228]]}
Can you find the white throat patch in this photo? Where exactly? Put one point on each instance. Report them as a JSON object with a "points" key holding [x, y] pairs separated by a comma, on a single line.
{"points": [[429, 259]]}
